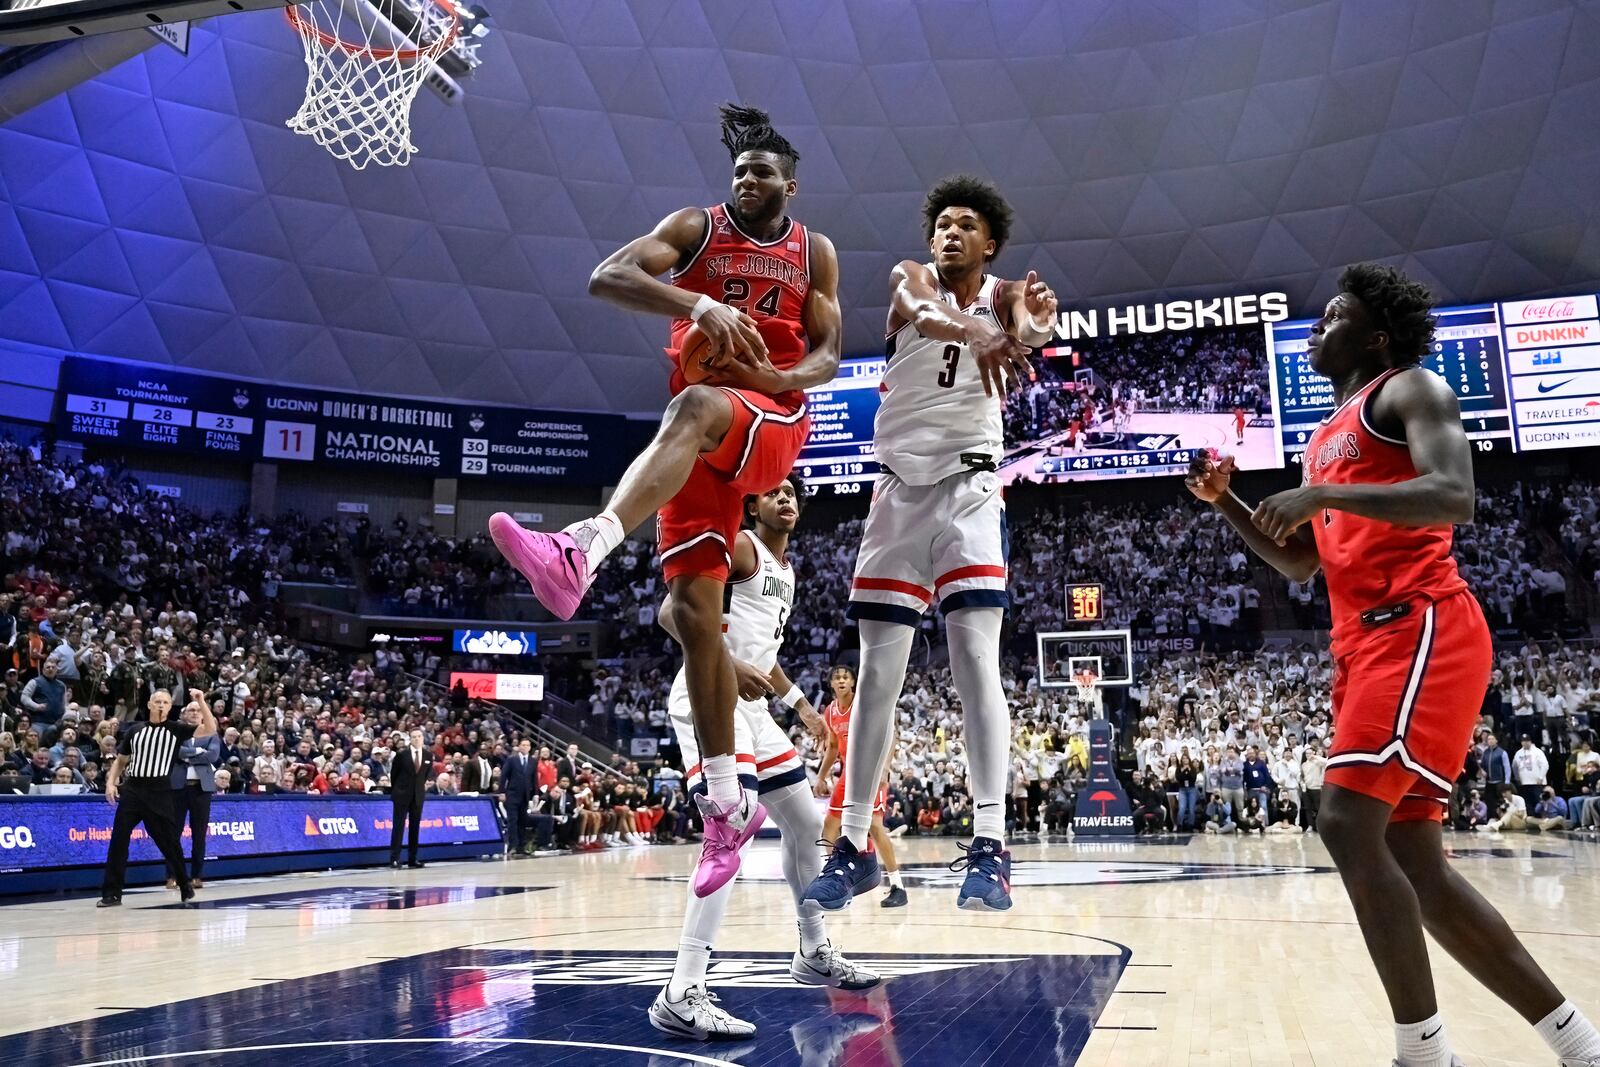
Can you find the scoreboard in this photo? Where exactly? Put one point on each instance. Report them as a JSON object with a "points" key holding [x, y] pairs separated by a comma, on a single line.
{"points": [[1466, 354], [838, 457], [1086, 602], [153, 407]]}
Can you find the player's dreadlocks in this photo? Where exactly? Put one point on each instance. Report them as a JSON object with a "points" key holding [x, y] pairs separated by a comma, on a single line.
{"points": [[964, 190], [1398, 306], [749, 129]]}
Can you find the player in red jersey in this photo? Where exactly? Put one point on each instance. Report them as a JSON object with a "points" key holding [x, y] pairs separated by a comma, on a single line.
{"points": [[835, 742], [764, 290], [1385, 477], [1238, 425]]}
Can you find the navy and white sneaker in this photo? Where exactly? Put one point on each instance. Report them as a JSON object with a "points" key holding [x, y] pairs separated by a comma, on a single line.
{"points": [[845, 874], [988, 883], [697, 1017]]}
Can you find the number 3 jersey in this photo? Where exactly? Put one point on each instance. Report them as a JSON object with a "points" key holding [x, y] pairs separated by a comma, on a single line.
{"points": [[758, 608], [767, 280], [934, 419]]}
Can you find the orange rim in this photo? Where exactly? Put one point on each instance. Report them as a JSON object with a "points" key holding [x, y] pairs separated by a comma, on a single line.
{"points": [[292, 13]]}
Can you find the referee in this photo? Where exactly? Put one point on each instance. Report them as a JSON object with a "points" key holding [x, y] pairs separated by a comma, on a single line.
{"points": [[145, 757]]}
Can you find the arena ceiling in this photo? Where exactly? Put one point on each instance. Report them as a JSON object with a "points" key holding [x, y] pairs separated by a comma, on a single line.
{"points": [[162, 212]]}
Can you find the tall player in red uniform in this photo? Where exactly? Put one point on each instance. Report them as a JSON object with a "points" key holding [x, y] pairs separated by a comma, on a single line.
{"points": [[764, 290], [1386, 477], [835, 744]]}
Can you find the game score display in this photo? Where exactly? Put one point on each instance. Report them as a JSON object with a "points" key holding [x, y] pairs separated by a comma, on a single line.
{"points": [[1526, 374]]}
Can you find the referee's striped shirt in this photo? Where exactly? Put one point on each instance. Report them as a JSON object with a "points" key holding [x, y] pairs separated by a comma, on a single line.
{"points": [[152, 749]]}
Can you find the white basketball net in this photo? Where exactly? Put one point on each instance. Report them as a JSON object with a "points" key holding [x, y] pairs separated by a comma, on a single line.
{"points": [[1086, 683], [363, 75]]}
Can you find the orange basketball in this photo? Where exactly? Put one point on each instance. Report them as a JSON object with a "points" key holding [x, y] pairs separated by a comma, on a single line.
{"points": [[696, 346]]}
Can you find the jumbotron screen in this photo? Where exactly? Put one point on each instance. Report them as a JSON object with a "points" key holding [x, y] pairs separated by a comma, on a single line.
{"points": [[1135, 391]]}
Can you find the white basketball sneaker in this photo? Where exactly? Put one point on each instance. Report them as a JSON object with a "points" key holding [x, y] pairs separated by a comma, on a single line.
{"points": [[829, 967], [697, 1017]]}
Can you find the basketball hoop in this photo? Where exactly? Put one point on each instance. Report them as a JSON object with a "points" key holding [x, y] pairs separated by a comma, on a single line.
{"points": [[361, 78], [1086, 682]]}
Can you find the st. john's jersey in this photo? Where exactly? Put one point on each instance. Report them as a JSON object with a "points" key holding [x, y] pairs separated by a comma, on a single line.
{"points": [[837, 720], [767, 280], [934, 419], [758, 609], [1370, 563]]}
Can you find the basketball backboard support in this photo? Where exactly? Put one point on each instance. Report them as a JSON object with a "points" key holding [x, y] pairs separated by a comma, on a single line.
{"points": [[25, 22], [1108, 652]]}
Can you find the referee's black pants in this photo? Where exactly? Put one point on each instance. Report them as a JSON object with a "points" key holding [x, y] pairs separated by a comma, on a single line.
{"points": [[405, 810], [192, 803], [151, 805]]}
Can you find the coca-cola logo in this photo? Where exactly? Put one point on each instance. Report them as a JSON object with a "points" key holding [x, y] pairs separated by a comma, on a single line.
{"points": [[1549, 310]]}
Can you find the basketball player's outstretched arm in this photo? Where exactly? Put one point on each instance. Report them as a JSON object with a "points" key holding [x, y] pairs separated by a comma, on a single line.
{"points": [[1440, 495], [629, 279], [808, 714], [1294, 557], [1033, 310], [914, 299]]}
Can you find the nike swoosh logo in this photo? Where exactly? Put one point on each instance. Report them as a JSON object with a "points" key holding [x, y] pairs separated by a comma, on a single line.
{"points": [[991, 804], [573, 567], [1426, 1037], [1543, 388], [1563, 1025]]}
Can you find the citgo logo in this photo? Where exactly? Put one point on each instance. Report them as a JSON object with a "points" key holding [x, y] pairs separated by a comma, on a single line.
{"points": [[16, 837], [318, 827]]}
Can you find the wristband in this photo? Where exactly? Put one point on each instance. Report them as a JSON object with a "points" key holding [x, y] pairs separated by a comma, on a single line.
{"points": [[701, 306], [792, 698]]}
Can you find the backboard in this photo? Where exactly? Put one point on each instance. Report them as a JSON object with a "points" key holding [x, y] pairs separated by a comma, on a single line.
{"points": [[1062, 655], [24, 22]]}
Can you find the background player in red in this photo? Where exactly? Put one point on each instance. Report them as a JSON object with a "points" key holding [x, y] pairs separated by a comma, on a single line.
{"points": [[1238, 425], [764, 290], [1386, 476], [835, 743]]}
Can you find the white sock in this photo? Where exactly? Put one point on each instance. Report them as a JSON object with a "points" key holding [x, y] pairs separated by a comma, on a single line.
{"points": [[701, 921], [885, 651], [974, 638], [722, 780], [1423, 1044], [598, 536], [794, 812], [1569, 1033], [894, 880]]}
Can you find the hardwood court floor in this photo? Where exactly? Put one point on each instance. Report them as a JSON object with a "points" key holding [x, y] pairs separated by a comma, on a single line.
{"points": [[1203, 951]]}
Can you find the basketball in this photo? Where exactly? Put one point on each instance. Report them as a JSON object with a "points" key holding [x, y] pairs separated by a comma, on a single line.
{"points": [[695, 348]]}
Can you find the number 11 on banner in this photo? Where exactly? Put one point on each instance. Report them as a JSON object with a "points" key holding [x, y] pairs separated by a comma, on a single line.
{"points": [[289, 440]]}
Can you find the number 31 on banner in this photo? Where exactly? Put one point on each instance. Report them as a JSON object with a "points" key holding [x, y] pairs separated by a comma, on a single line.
{"points": [[289, 440]]}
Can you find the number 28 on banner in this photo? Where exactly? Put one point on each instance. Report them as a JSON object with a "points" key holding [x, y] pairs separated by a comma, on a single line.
{"points": [[1086, 602]]}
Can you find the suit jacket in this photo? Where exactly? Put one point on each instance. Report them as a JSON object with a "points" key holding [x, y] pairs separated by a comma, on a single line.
{"points": [[563, 807], [408, 783], [472, 781], [567, 768], [516, 777], [201, 753]]}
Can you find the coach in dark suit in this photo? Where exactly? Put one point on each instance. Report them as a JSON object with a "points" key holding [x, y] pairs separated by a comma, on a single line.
{"points": [[408, 784], [193, 781], [516, 782], [477, 773]]}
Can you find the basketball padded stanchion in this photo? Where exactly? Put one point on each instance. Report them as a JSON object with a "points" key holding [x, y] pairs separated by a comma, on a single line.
{"points": [[363, 74]]}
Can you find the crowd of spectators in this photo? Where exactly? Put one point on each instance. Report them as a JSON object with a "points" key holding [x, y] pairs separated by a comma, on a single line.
{"points": [[122, 591]]}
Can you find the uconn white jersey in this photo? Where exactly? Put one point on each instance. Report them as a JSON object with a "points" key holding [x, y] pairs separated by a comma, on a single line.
{"points": [[758, 609], [934, 419]]}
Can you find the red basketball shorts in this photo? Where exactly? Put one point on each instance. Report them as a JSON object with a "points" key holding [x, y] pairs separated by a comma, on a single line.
{"points": [[880, 803], [695, 530], [1406, 695]]}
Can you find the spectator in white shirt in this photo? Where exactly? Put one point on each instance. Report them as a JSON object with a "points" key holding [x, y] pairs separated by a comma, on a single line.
{"points": [[1529, 767]]}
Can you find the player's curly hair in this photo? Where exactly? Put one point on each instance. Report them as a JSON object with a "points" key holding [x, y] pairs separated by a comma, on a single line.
{"points": [[851, 671], [795, 482], [749, 129], [963, 190], [1400, 307]]}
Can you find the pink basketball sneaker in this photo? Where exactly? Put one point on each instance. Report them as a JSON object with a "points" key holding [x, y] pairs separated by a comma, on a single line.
{"points": [[725, 836], [553, 563]]}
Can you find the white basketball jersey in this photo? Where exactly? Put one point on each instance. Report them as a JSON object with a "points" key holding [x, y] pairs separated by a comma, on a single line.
{"points": [[758, 608], [934, 419]]}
